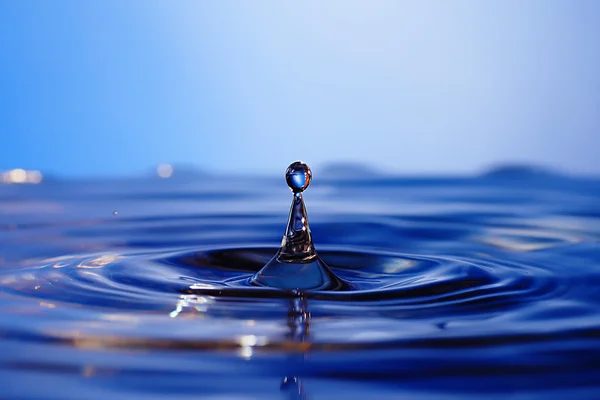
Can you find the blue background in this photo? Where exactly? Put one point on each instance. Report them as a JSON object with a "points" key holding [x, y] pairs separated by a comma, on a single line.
{"points": [[115, 87]]}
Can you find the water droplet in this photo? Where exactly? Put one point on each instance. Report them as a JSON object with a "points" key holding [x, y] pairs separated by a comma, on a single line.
{"points": [[298, 176], [297, 265]]}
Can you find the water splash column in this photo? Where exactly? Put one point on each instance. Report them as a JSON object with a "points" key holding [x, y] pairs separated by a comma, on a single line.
{"points": [[297, 265]]}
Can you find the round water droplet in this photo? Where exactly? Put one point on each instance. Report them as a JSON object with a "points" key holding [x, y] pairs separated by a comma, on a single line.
{"points": [[298, 176]]}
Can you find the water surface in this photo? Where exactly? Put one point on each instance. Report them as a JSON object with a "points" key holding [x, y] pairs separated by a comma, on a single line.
{"points": [[461, 289]]}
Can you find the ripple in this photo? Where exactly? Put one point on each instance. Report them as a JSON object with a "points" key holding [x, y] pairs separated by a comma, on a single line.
{"points": [[203, 299]]}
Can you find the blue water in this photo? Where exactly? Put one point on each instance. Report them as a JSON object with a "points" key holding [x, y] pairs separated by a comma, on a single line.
{"points": [[461, 288]]}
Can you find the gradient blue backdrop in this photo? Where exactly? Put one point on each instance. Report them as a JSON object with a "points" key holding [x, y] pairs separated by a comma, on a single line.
{"points": [[114, 87]]}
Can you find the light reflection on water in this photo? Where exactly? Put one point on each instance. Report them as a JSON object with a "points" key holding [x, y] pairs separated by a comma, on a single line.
{"points": [[469, 288]]}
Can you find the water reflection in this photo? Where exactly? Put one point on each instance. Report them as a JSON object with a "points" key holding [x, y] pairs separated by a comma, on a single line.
{"points": [[292, 388], [247, 344], [200, 304], [298, 319], [449, 280], [298, 322]]}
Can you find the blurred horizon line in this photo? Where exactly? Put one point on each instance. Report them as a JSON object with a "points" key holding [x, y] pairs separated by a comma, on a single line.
{"points": [[326, 171]]}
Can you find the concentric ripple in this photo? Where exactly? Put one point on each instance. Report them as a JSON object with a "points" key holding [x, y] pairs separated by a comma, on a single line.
{"points": [[192, 288], [459, 289]]}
